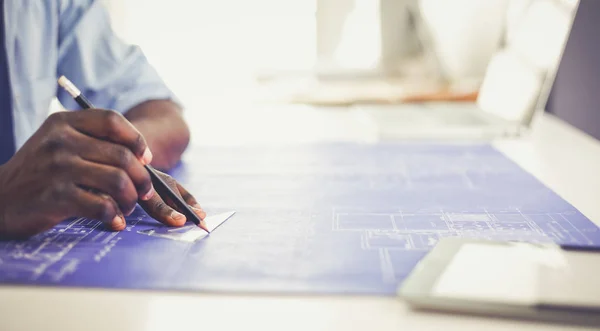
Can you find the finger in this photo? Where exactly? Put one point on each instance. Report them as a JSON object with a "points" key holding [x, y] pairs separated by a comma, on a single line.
{"points": [[104, 152], [190, 200], [175, 188], [97, 206], [117, 223], [173, 185], [187, 196], [160, 211], [109, 180], [111, 126]]}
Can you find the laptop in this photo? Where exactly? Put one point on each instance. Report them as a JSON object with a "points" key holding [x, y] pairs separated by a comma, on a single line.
{"points": [[574, 97], [515, 87]]}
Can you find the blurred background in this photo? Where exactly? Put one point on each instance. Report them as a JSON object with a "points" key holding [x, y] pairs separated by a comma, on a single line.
{"points": [[266, 67]]}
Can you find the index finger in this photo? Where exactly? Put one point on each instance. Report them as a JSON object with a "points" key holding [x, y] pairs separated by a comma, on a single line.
{"points": [[111, 126], [188, 197]]}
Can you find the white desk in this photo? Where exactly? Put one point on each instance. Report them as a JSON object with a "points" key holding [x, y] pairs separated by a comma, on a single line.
{"points": [[564, 159]]}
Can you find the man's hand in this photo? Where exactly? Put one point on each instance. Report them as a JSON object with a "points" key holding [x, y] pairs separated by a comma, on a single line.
{"points": [[85, 164], [162, 124], [164, 210]]}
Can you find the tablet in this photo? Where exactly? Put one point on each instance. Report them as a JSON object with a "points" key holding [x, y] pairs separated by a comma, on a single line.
{"points": [[508, 279]]}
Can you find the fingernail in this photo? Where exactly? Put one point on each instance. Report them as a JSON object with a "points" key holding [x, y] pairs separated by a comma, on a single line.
{"points": [[118, 220], [177, 215], [201, 213], [147, 157], [148, 195]]}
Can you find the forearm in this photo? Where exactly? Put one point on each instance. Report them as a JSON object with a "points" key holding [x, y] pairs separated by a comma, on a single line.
{"points": [[163, 126]]}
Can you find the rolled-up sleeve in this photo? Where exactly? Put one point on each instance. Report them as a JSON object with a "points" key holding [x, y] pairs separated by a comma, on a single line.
{"points": [[111, 73]]}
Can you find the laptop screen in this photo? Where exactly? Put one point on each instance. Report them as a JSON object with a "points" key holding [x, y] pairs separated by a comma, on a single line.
{"points": [[575, 93]]}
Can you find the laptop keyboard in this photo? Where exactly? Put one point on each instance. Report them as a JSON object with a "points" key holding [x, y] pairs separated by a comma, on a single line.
{"points": [[459, 115]]}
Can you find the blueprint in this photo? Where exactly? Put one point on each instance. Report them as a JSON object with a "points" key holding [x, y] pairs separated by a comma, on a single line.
{"points": [[334, 218]]}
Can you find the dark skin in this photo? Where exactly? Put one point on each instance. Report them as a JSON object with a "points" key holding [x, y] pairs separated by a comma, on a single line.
{"points": [[162, 116], [90, 164]]}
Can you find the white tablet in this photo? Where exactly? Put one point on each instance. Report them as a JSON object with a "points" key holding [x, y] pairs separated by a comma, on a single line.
{"points": [[543, 282]]}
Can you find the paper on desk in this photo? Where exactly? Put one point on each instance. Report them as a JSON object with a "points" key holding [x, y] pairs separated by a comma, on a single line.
{"points": [[189, 233], [319, 219]]}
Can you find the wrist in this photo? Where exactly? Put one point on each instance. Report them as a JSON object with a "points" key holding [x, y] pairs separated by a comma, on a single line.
{"points": [[165, 131], [165, 153]]}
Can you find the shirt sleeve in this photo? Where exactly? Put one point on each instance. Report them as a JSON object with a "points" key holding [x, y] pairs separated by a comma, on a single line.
{"points": [[110, 73]]}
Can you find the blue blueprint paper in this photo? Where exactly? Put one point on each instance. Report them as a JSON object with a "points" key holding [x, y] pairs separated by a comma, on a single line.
{"points": [[351, 219]]}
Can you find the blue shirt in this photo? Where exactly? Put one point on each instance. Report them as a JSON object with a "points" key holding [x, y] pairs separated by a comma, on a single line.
{"points": [[45, 39], [7, 138]]}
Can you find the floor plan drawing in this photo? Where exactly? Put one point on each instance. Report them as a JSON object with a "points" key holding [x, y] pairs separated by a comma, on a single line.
{"points": [[334, 218]]}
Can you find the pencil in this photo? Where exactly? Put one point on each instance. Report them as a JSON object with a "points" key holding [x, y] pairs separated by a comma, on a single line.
{"points": [[159, 184]]}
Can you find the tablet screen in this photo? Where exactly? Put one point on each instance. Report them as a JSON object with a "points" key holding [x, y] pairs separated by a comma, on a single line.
{"points": [[521, 274]]}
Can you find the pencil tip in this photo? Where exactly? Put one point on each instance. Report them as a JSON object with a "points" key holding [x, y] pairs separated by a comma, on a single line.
{"points": [[202, 225]]}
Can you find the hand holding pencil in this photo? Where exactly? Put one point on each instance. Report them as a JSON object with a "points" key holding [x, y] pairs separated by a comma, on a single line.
{"points": [[172, 198], [92, 164]]}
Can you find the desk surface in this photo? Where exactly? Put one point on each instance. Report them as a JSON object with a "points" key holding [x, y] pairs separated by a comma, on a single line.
{"points": [[549, 154]]}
